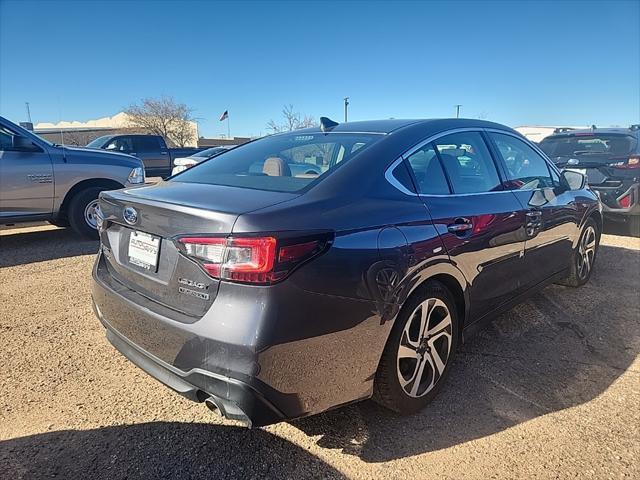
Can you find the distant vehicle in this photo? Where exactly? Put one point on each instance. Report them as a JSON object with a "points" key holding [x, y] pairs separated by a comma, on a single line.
{"points": [[151, 149], [40, 180], [610, 158], [182, 163], [271, 296]]}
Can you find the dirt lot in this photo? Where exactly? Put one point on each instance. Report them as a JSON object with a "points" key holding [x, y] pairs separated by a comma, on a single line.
{"points": [[550, 390]]}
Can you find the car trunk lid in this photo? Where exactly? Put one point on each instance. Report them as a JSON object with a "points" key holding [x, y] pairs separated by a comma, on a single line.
{"points": [[142, 223]]}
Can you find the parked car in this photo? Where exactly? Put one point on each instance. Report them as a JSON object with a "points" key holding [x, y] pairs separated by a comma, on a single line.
{"points": [[271, 296], [610, 158], [182, 163], [41, 181], [151, 149]]}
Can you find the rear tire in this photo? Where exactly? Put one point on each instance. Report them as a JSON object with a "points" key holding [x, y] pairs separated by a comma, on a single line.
{"points": [[418, 354], [81, 212], [584, 256], [633, 222]]}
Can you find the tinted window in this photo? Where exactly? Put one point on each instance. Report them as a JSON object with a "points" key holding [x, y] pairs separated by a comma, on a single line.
{"points": [[146, 144], [468, 163], [588, 144], [526, 168], [278, 162], [120, 144], [98, 142], [428, 172]]}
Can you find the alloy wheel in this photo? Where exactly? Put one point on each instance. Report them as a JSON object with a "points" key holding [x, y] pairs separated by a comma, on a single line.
{"points": [[586, 251], [425, 347]]}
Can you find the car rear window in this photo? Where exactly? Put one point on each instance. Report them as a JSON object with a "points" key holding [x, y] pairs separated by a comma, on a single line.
{"points": [[595, 144], [282, 163]]}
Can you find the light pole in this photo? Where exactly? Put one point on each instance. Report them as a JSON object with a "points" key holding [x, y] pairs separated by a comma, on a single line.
{"points": [[346, 106], [458, 110]]}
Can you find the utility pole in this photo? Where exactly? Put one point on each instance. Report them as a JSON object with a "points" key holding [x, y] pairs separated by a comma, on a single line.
{"points": [[346, 106], [458, 110], [28, 112]]}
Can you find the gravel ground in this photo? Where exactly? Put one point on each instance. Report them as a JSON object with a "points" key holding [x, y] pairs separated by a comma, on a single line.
{"points": [[550, 390]]}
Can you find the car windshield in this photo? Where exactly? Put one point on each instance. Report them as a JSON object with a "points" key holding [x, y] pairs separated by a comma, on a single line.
{"points": [[283, 163], [588, 144], [98, 142]]}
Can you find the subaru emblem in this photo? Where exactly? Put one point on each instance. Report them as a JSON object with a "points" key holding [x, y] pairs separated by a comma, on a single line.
{"points": [[130, 215], [573, 161]]}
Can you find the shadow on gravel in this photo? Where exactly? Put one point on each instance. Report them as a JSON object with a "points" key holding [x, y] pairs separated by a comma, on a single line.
{"points": [[562, 348], [616, 228], [20, 248], [159, 450]]}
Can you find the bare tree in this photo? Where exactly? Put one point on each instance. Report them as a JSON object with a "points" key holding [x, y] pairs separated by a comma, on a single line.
{"points": [[164, 116], [292, 121]]}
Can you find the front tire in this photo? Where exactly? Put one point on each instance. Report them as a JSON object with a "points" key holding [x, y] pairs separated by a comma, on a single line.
{"points": [[82, 212], [584, 255], [417, 357]]}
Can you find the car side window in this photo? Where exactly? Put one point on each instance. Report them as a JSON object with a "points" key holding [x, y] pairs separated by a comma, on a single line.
{"points": [[526, 168], [468, 163], [120, 144], [427, 172], [143, 144]]}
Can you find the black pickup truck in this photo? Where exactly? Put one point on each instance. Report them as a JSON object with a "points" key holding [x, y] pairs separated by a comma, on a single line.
{"points": [[151, 149]]}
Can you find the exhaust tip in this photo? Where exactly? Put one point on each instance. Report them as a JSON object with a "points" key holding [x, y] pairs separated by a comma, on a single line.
{"points": [[213, 406], [227, 410]]}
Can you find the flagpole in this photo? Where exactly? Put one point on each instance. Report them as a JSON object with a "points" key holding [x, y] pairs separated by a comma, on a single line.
{"points": [[228, 128]]}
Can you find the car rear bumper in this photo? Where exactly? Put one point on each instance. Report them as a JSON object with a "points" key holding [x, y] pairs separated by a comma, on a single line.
{"points": [[232, 398], [610, 196], [260, 355]]}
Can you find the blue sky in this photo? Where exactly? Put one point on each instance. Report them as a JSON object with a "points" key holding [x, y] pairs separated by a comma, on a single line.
{"points": [[574, 62]]}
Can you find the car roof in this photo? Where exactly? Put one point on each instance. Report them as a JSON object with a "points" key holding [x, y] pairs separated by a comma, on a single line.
{"points": [[390, 125]]}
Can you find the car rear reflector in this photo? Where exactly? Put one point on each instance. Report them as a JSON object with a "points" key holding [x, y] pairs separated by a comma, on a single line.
{"points": [[626, 201]]}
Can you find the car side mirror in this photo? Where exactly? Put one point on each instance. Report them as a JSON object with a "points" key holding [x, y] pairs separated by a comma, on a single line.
{"points": [[24, 144], [575, 180]]}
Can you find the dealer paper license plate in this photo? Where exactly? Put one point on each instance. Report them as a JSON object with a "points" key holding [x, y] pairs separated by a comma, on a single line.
{"points": [[143, 250]]}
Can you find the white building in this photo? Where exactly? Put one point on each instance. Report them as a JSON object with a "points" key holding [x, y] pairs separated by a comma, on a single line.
{"points": [[99, 126]]}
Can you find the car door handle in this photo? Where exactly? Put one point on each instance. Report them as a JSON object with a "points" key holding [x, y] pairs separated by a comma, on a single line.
{"points": [[534, 215], [460, 225]]}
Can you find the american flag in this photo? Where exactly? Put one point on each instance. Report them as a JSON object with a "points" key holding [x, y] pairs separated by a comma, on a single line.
{"points": [[224, 116]]}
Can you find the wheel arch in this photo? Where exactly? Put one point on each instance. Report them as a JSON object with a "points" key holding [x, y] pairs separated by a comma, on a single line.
{"points": [[105, 183], [454, 281]]}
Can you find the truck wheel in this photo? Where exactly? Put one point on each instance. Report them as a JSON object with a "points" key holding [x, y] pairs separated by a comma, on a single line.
{"points": [[634, 225], [82, 212]]}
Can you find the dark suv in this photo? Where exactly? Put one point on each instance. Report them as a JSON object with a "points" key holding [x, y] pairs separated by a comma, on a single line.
{"points": [[272, 294], [610, 157]]}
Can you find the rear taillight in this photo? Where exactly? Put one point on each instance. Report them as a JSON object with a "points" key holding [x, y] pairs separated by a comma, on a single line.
{"points": [[249, 259], [627, 163]]}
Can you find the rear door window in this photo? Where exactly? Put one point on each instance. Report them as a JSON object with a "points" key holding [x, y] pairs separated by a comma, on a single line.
{"points": [[146, 144], [428, 172], [468, 163], [526, 168]]}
